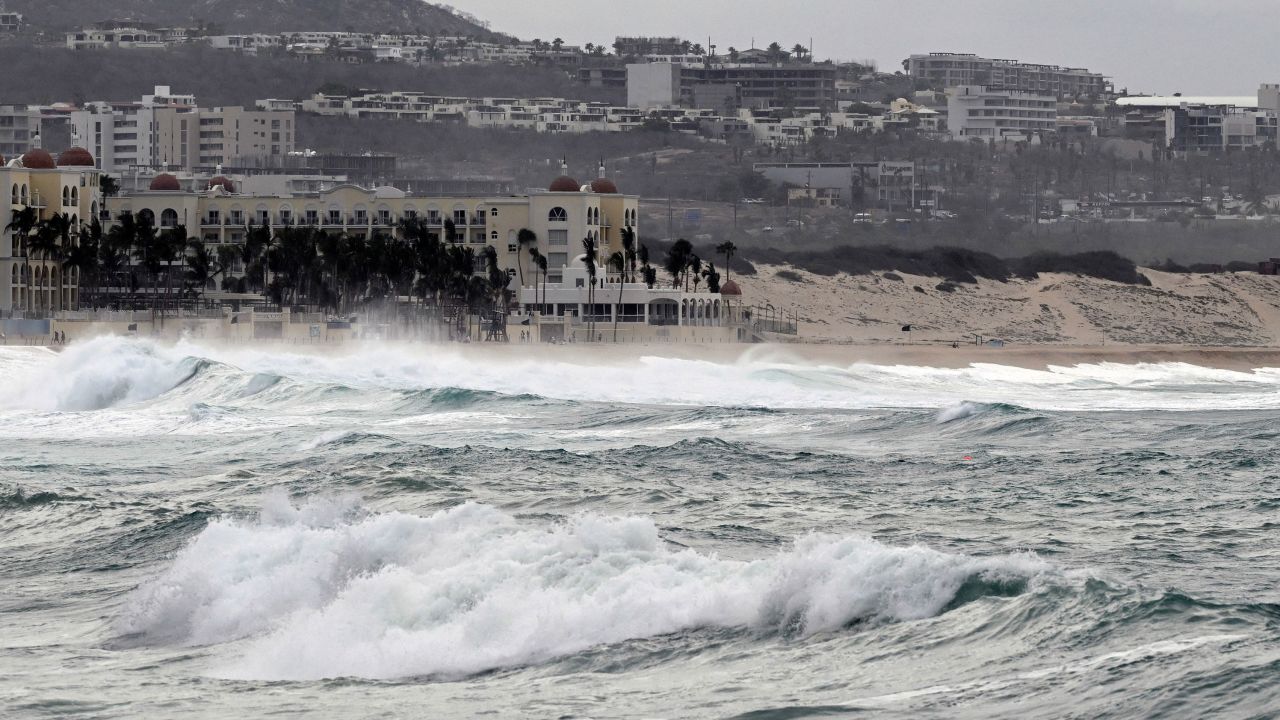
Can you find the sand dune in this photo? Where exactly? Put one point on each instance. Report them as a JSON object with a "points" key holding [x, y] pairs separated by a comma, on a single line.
{"points": [[1226, 310]]}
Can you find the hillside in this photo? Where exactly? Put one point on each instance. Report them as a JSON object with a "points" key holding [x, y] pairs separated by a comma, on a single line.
{"points": [[46, 75], [255, 15]]}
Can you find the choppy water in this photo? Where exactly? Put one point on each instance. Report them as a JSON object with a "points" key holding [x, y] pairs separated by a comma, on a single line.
{"points": [[410, 532]]}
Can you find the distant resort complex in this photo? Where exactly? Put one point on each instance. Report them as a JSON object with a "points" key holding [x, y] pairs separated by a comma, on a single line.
{"points": [[557, 265]]}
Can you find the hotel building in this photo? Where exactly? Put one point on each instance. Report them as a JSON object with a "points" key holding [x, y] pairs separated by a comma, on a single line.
{"points": [[557, 305], [30, 281]]}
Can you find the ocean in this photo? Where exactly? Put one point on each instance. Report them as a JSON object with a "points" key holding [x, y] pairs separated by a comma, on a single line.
{"points": [[419, 531]]}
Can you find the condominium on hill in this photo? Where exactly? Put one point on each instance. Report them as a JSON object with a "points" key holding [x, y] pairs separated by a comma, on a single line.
{"points": [[947, 70], [169, 131]]}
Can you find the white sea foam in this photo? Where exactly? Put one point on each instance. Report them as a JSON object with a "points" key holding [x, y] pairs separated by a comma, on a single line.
{"points": [[97, 374], [118, 372], [316, 593]]}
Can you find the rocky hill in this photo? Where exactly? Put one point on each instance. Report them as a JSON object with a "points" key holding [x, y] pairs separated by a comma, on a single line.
{"points": [[236, 16]]}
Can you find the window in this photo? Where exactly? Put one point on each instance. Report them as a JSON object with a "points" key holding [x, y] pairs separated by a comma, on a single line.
{"points": [[493, 212], [557, 214], [169, 218], [558, 237], [493, 235], [557, 260]]}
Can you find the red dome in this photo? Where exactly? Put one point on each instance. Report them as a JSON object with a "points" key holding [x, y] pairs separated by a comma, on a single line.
{"points": [[75, 157], [164, 182], [38, 160], [730, 288], [224, 183], [604, 186], [564, 183]]}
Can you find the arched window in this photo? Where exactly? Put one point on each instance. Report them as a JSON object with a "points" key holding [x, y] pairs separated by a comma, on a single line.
{"points": [[75, 195], [494, 236], [24, 194], [66, 195], [146, 216], [557, 214], [168, 218]]}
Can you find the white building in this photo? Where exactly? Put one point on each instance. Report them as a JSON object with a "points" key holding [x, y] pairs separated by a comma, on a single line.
{"points": [[165, 130], [976, 112], [19, 130]]}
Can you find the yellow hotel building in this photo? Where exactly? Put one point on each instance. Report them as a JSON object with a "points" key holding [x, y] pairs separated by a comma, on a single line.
{"points": [[30, 282], [561, 216]]}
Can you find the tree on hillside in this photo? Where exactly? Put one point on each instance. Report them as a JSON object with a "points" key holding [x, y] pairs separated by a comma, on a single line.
{"points": [[728, 249]]}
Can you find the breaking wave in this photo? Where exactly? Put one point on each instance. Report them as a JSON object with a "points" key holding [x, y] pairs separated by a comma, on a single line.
{"points": [[116, 372], [324, 590]]}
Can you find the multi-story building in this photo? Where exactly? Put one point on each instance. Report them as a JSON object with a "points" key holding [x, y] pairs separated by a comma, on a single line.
{"points": [[19, 129], [561, 216], [640, 46], [564, 303], [948, 70], [1203, 123], [118, 35], [978, 112], [755, 85], [1217, 128], [30, 280], [165, 130]]}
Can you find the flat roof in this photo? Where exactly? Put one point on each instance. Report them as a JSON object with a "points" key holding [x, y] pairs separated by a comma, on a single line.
{"points": [[1243, 101]]}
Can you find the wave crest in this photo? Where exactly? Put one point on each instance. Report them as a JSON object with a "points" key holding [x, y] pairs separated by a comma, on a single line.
{"points": [[472, 589]]}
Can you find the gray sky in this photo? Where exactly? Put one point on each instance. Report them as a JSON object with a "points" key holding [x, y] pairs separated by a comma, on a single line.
{"points": [[1206, 47]]}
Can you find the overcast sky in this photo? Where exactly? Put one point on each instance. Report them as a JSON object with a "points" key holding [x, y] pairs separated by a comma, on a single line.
{"points": [[1205, 47]]}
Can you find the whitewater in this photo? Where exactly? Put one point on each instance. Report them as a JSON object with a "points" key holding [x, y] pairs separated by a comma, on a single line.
{"points": [[411, 530]]}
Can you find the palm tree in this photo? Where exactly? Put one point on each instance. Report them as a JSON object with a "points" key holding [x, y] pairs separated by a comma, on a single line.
{"points": [[524, 237], [542, 267], [800, 51], [713, 278], [48, 242], [202, 266], [727, 249], [775, 52], [629, 250], [534, 255], [21, 225], [648, 274], [733, 54], [618, 261], [83, 256], [589, 261], [172, 248], [118, 250], [677, 259], [694, 268]]}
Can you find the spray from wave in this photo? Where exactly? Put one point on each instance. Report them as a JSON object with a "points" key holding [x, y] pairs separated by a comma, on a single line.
{"points": [[116, 372], [323, 590]]}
